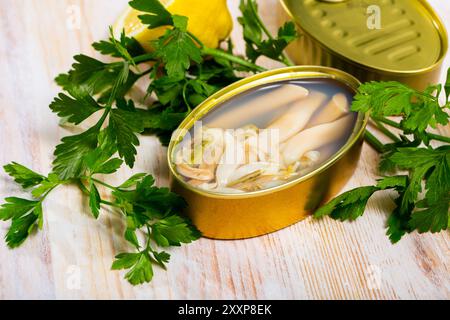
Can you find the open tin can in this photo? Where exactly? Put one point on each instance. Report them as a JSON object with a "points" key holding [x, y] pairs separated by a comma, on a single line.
{"points": [[249, 214], [381, 40]]}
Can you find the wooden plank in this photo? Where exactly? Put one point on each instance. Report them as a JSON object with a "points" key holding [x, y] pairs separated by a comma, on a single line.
{"points": [[71, 259]]}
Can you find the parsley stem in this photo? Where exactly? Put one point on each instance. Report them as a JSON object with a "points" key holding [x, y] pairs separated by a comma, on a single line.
{"points": [[143, 73], [224, 55], [103, 118], [389, 122], [82, 187], [386, 131], [286, 60], [397, 125], [104, 184], [185, 97], [86, 191], [374, 142], [261, 24], [139, 59], [196, 39], [438, 137], [108, 203], [258, 19], [44, 196], [149, 233]]}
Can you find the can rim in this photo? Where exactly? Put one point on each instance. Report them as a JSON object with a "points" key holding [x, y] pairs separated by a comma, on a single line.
{"points": [[437, 21], [267, 77]]}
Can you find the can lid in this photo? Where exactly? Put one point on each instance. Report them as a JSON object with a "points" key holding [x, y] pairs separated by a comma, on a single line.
{"points": [[389, 35]]}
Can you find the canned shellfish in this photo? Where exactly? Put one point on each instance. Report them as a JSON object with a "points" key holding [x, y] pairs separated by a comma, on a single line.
{"points": [[264, 152]]}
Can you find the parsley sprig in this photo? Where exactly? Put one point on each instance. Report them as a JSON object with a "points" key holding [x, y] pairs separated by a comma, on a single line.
{"points": [[26, 215], [259, 41], [154, 213], [422, 197], [181, 73]]}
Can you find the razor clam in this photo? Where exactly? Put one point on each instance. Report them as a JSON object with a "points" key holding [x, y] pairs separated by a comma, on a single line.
{"points": [[335, 109], [195, 183], [263, 104], [314, 138], [204, 174], [297, 117], [249, 134], [251, 171], [209, 148], [232, 157], [248, 177], [309, 159], [254, 183], [268, 146], [214, 147]]}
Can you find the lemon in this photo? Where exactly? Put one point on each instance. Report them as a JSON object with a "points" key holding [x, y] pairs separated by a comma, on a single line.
{"points": [[209, 20]]}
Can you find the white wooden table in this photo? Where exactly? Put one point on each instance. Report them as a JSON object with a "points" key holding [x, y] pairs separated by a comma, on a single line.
{"points": [[72, 257]]}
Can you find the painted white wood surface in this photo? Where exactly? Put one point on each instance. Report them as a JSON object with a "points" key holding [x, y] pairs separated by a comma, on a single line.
{"points": [[312, 259]]}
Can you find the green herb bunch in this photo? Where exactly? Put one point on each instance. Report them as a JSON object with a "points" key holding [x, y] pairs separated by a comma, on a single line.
{"points": [[181, 72], [422, 195]]}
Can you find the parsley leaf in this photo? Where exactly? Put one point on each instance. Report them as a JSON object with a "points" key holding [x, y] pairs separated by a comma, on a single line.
{"points": [[125, 261], [131, 237], [94, 200], [383, 98], [110, 166], [431, 216], [351, 204], [158, 15], [24, 215], [150, 200], [91, 73], [25, 177], [46, 185], [176, 49], [124, 125], [125, 47], [156, 210], [142, 271], [427, 113], [99, 161], [94, 77], [173, 230], [16, 208], [69, 162], [132, 181], [398, 221], [254, 31], [21, 228], [425, 164], [419, 109], [75, 110]]}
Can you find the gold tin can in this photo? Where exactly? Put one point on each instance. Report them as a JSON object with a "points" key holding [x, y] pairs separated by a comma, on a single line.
{"points": [[380, 40], [237, 216]]}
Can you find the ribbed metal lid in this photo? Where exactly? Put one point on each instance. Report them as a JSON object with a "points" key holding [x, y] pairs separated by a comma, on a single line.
{"points": [[391, 35]]}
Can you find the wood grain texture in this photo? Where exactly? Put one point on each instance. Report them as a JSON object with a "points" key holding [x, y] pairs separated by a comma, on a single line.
{"points": [[311, 260]]}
